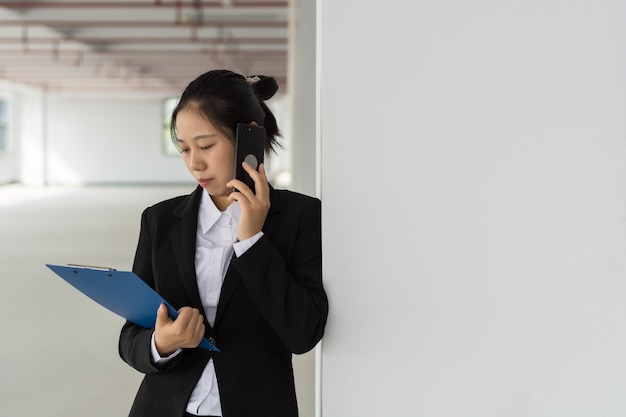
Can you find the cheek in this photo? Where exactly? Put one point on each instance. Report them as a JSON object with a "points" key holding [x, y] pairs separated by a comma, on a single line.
{"points": [[228, 160], [186, 162]]}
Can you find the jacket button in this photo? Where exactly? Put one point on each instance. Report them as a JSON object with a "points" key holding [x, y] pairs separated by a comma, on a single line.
{"points": [[212, 340]]}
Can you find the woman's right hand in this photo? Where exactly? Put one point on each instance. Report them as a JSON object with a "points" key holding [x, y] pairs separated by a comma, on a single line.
{"points": [[186, 331]]}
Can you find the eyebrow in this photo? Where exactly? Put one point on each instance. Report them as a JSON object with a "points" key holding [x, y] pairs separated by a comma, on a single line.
{"points": [[208, 136]]}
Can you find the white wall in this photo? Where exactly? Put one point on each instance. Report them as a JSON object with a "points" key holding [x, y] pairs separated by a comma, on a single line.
{"points": [[118, 139], [474, 197], [108, 140]]}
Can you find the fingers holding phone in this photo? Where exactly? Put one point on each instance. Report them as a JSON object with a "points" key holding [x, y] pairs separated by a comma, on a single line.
{"points": [[249, 148], [250, 185], [254, 207]]}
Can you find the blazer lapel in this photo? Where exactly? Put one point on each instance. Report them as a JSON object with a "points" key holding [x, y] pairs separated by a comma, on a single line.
{"points": [[232, 279], [183, 236]]}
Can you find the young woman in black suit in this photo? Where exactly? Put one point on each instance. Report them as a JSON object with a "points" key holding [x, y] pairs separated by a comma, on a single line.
{"points": [[244, 269]]}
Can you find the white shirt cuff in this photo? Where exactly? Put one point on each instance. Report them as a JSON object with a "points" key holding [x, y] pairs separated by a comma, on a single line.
{"points": [[243, 246], [158, 359]]}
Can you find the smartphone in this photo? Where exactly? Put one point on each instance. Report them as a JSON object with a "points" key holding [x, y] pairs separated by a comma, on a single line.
{"points": [[249, 147]]}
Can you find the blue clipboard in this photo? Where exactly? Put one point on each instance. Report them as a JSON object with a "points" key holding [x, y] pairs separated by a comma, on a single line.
{"points": [[121, 292]]}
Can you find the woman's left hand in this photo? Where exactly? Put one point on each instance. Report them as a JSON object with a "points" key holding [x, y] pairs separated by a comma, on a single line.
{"points": [[254, 207]]}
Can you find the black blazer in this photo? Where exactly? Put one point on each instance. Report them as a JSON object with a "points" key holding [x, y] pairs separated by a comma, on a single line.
{"points": [[272, 304]]}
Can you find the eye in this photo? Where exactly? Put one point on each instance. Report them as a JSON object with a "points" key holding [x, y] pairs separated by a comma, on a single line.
{"points": [[204, 148]]}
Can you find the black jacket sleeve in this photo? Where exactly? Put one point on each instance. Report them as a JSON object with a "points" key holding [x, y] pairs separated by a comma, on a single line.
{"points": [[288, 293], [134, 342]]}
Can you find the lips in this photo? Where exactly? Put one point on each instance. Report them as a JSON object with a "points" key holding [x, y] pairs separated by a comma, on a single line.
{"points": [[204, 182]]}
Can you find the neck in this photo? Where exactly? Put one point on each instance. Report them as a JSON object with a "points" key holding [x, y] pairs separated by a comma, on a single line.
{"points": [[221, 202]]}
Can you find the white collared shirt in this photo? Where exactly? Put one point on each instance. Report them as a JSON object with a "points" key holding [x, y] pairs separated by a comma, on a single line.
{"points": [[216, 241]]}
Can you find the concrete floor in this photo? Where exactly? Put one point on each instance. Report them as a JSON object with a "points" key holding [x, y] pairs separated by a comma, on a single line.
{"points": [[58, 350]]}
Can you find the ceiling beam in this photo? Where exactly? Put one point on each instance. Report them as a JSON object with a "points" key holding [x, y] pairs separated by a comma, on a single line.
{"points": [[73, 24], [137, 5]]}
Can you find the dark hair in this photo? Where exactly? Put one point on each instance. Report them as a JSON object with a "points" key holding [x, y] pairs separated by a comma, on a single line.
{"points": [[226, 98]]}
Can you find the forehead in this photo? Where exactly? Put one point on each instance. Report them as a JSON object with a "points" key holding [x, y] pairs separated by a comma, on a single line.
{"points": [[192, 122], [192, 119]]}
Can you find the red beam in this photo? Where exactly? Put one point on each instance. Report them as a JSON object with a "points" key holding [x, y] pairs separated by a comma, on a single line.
{"points": [[142, 23], [138, 5], [110, 73], [131, 40], [163, 54]]}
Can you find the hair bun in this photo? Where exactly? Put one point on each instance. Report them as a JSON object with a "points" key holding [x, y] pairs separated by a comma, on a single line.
{"points": [[264, 87]]}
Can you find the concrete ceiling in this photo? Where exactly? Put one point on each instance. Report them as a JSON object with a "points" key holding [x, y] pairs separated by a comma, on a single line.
{"points": [[144, 46]]}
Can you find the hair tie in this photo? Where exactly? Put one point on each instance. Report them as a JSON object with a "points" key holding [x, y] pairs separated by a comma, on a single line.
{"points": [[253, 80]]}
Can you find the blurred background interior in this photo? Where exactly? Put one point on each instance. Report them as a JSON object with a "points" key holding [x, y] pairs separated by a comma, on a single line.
{"points": [[86, 88]]}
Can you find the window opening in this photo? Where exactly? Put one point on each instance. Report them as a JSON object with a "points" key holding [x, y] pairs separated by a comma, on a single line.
{"points": [[168, 107], [4, 126]]}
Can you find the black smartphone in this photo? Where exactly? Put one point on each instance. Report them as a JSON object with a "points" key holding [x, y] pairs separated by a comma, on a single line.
{"points": [[249, 147]]}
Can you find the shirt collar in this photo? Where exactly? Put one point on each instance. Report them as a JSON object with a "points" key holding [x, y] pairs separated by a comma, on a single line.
{"points": [[209, 214]]}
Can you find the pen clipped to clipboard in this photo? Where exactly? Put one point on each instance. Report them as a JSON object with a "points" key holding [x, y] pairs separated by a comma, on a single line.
{"points": [[121, 292]]}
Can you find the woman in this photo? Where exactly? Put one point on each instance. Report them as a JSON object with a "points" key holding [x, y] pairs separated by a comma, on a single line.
{"points": [[244, 270]]}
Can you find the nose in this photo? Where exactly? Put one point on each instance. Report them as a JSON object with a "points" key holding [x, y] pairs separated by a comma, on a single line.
{"points": [[196, 163]]}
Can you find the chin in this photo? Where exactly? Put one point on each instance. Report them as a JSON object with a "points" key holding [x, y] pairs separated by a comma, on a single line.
{"points": [[221, 192]]}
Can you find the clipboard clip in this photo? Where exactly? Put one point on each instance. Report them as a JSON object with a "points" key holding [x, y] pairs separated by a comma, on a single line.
{"points": [[101, 268]]}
